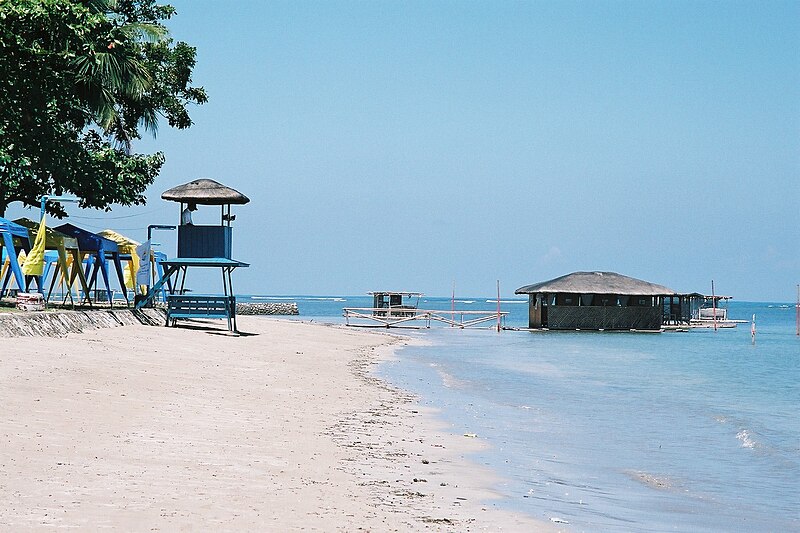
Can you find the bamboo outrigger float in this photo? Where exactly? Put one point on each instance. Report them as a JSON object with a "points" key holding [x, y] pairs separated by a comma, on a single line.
{"points": [[395, 310]]}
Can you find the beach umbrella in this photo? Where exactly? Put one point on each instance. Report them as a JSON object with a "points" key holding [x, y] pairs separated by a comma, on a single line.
{"points": [[127, 247], [65, 246]]}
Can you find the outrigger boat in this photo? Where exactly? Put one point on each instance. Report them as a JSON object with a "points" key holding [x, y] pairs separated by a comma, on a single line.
{"points": [[401, 309], [394, 304], [711, 314]]}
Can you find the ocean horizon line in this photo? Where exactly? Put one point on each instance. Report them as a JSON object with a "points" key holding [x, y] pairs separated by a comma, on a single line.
{"points": [[462, 299]]}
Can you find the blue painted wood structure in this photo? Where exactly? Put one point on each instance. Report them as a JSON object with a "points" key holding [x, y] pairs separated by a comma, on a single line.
{"points": [[158, 259], [184, 306], [59, 246], [201, 306], [11, 247], [100, 250], [204, 241], [201, 246]]}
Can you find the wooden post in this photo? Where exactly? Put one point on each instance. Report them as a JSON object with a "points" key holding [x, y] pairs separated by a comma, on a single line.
{"points": [[498, 305], [453, 306], [713, 305]]}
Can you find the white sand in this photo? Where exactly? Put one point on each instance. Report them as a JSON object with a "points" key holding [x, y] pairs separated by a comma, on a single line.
{"points": [[143, 428]]}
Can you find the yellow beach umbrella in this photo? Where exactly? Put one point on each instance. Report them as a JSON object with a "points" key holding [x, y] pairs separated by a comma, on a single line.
{"points": [[126, 246], [69, 264]]}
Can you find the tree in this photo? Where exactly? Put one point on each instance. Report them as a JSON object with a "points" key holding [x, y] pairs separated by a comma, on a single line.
{"points": [[79, 79]]}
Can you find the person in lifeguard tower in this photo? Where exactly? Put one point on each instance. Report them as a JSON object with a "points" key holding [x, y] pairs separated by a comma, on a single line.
{"points": [[186, 214]]}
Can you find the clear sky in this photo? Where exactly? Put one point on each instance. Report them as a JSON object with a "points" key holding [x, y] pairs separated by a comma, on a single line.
{"points": [[413, 145]]}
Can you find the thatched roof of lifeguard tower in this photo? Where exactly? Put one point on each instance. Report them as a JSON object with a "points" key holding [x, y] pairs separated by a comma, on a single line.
{"points": [[597, 283], [205, 192]]}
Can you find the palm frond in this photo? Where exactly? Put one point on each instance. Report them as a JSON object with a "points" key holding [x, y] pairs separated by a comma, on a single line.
{"points": [[149, 121], [120, 136], [100, 6], [144, 31]]}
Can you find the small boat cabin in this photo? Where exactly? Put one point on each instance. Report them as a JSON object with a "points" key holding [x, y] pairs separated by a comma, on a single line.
{"points": [[710, 311], [394, 303]]}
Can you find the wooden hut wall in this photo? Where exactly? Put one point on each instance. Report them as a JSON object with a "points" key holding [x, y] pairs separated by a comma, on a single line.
{"points": [[535, 310], [600, 300], [569, 311], [680, 308], [604, 317]]}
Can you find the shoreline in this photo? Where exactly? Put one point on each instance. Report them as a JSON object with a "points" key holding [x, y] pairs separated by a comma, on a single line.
{"points": [[284, 427], [420, 468]]}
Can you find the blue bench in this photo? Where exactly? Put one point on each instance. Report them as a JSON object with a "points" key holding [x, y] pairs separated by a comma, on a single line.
{"points": [[201, 306]]}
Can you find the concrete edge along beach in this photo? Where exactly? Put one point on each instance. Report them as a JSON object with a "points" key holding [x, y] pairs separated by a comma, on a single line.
{"points": [[284, 427]]}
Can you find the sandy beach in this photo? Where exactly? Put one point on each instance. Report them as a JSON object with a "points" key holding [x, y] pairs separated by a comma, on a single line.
{"points": [[142, 428]]}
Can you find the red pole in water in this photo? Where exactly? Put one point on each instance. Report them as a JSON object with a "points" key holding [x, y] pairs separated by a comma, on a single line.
{"points": [[714, 305]]}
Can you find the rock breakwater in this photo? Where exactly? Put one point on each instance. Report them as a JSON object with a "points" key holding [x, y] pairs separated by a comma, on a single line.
{"points": [[61, 323], [271, 308]]}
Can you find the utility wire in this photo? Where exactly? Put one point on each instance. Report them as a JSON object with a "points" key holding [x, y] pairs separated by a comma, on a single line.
{"points": [[117, 229], [114, 218]]}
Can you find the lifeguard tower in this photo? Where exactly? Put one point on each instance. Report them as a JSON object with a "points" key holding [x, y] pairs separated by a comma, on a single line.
{"points": [[201, 246]]}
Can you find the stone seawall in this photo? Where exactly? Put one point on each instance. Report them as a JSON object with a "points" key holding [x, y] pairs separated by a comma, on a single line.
{"points": [[61, 323], [272, 308]]}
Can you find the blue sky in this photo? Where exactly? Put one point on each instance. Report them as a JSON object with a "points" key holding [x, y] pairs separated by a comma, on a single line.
{"points": [[413, 145]]}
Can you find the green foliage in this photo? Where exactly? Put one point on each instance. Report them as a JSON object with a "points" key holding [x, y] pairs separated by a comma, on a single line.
{"points": [[79, 80]]}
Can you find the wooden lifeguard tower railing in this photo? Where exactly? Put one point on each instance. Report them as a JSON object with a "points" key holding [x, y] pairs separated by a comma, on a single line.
{"points": [[200, 246], [401, 310]]}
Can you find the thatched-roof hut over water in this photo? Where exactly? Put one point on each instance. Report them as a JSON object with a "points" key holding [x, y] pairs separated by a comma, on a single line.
{"points": [[597, 301]]}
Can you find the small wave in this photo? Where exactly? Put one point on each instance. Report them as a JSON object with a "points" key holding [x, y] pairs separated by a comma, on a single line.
{"points": [[450, 381], [747, 439], [721, 419], [507, 301], [323, 299], [656, 482], [465, 301], [272, 298]]}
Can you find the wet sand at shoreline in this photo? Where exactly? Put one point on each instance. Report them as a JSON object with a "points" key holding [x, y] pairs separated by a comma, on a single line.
{"points": [[283, 428]]}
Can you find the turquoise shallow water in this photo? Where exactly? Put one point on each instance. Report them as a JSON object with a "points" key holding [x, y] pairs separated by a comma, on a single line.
{"points": [[694, 431]]}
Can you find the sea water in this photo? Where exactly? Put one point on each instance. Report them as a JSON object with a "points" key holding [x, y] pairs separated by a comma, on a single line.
{"points": [[693, 431]]}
